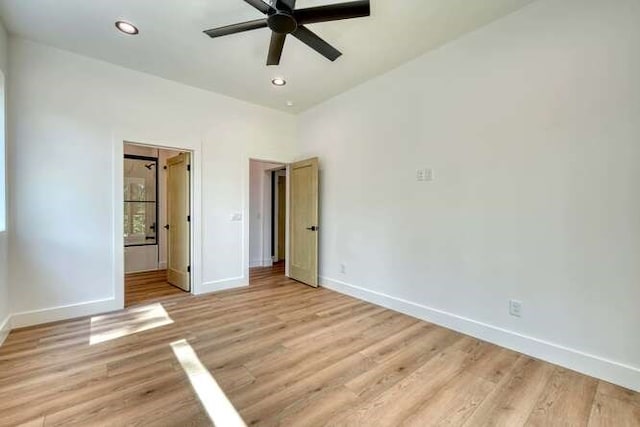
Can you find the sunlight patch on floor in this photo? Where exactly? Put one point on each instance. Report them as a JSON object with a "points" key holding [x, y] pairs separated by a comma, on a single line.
{"points": [[215, 402], [108, 327]]}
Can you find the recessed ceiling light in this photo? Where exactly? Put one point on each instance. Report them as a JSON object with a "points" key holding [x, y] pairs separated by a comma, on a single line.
{"points": [[279, 81], [126, 27], [289, 103]]}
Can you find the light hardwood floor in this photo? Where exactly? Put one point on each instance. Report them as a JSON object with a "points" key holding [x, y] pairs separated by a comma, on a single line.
{"points": [[151, 286], [286, 354]]}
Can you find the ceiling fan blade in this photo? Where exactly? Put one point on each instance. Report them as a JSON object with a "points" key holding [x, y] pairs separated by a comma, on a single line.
{"points": [[236, 28], [312, 40], [260, 5], [333, 12], [275, 48], [290, 4]]}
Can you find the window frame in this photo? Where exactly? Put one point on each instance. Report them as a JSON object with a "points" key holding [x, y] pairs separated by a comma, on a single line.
{"points": [[157, 200]]}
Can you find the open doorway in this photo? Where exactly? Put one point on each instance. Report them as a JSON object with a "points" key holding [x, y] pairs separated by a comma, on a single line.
{"points": [[267, 218], [157, 231]]}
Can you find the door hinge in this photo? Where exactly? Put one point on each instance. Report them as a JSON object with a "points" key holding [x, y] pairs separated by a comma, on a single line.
{"points": [[188, 168], [188, 269], [188, 218]]}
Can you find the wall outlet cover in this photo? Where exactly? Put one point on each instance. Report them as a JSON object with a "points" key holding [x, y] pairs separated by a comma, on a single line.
{"points": [[428, 174], [515, 308]]}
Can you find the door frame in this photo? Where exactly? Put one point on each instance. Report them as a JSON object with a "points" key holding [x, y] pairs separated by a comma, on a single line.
{"points": [[118, 214], [247, 212]]}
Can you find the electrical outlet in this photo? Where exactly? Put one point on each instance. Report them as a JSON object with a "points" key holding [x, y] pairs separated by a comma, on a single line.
{"points": [[343, 269], [424, 175], [428, 174], [515, 308]]}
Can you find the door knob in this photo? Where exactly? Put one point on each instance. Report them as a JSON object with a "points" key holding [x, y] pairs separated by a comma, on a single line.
{"points": [[166, 227], [313, 228]]}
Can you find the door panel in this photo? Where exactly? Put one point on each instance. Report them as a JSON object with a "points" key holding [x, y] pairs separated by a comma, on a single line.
{"points": [[303, 222], [178, 213]]}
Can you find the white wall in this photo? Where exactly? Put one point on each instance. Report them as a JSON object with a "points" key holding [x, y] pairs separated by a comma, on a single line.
{"points": [[71, 110], [4, 284], [531, 127], [260, 213]]}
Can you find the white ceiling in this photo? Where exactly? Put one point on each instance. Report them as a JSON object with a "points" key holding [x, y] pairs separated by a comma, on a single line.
{"points": [[171, 43]]}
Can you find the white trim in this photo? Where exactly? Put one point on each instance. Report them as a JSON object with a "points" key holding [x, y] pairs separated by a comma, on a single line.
{"points": [[287, 219], [222, 285], [118, 218], [589, 364], [5, 329], [146, 270], [47, 315]]}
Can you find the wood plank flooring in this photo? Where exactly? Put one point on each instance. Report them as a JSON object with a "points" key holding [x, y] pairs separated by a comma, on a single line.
{"points": [[150, 286], [290, 355]]}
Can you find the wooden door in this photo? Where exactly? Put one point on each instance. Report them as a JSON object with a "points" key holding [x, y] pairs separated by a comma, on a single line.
{"points": [[282, 214], [179, 221], [303, 222]]}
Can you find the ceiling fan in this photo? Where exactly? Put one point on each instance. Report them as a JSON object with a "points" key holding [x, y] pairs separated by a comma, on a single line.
{"points": [[283, 18]]}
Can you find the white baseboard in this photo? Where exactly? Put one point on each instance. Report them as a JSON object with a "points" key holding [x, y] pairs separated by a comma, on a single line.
{"points": [[221, 285], [144, 270], [261, 263], [5, 328], [589, 364], [36, 317]]}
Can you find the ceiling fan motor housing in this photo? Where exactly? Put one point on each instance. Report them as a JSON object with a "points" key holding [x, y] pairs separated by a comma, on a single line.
{"points": [[282, 22]]}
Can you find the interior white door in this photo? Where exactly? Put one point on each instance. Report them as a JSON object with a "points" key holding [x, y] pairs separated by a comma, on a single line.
{"points": [[303, 222], [179, 221]]}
